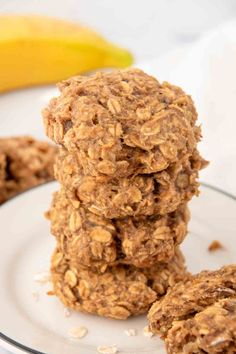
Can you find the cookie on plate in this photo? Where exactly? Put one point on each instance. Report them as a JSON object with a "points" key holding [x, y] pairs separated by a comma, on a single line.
{"points": [[121, 291], [213, 331], [197, 315], [112, 197], [96, 242]]}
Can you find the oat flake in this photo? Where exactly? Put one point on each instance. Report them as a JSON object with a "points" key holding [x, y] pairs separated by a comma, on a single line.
{"points": [[147, 332], [130, 332], [42, 278], [107, 349], [77, 332]]}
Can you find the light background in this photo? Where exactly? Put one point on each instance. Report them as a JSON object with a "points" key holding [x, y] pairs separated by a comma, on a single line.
{"points": [[148, 28]]}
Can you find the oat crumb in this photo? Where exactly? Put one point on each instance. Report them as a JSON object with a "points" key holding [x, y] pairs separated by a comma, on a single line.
{"points": [[50, 293], [107, 349], [35, 295], [42, 278], [130, 332], [77, 332], [147, 332], [215, 246], [67, 312]]}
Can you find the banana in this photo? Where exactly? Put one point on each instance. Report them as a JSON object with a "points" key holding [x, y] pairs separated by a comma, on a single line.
{"points": [[38, 50]]}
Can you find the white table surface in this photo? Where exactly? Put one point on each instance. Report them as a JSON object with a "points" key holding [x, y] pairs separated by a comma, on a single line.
{"points": [[150, 32]]}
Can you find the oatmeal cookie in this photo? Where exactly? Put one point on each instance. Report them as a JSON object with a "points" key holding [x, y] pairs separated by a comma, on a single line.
{"points": [[192, 300], [122, 123], [94, 241], [213, 331], [146, 241], [119, 292], [83, 236], [24, 163], [2, 169], [136, 195]]}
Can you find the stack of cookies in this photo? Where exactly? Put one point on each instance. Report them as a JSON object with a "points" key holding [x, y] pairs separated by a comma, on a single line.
{"points": [[128, 164]]}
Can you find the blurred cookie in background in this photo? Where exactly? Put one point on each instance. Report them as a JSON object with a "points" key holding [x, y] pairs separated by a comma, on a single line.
{"points": [[24, 163]]}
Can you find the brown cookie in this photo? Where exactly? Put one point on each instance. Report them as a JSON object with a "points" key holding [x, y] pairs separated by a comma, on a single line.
{"points": [[185, 307], [93, 241], [136, 195], [2, 169], [119, 292], [122, 123], [212, 331], [24, 163]]}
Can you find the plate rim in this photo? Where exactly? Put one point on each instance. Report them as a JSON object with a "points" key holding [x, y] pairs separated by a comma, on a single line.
{"points": [[16, 345], [25, 349]]}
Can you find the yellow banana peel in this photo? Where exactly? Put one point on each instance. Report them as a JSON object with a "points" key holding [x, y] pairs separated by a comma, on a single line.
{"points": [[37, 50]]}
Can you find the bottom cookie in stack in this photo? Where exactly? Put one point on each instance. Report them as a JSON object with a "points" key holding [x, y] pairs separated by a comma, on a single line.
{"points": [[121, 291]]}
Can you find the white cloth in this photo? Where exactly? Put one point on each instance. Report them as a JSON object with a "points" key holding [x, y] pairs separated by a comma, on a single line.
{"points": [[207, 71]]}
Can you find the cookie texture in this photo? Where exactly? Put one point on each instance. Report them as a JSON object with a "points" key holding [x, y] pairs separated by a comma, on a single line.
{"points": [[93, 241], [197, 315], [122, 123], [24, 163], [2, 169], [212, 330], [136, 195], [119, 292]]}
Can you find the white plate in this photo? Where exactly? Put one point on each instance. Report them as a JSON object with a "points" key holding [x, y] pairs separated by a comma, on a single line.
{"points": [[26, 245]]}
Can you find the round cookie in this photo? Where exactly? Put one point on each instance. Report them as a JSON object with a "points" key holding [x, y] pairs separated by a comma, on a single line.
{"points": [[119, 292], [122, 123], [190, 297], [212, 331], [111, 197], [24, 163], [93, 241]]}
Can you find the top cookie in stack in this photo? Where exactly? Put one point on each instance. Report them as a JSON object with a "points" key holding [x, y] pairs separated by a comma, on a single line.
{"points": [[128, 143]]}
